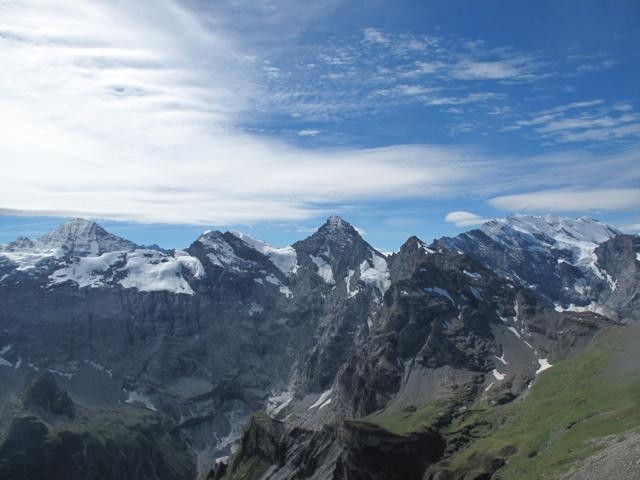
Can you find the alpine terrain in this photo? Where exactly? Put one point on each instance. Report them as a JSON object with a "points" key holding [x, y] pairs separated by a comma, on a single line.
{"points": [[506, 352]]}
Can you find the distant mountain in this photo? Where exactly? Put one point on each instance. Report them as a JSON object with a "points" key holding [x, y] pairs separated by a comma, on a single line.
{"points": [[556, 257], [351, 353]]}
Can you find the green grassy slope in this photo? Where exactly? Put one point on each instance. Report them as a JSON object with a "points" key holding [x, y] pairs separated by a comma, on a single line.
{"points": [[591, 395]]}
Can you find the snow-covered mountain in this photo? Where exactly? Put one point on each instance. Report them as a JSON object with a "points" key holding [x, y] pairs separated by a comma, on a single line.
{"points": [[322, 330], [556, 257]]}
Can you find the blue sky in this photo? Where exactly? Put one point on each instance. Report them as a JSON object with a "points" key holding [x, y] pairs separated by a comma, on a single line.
{"points": [[164, 118]]}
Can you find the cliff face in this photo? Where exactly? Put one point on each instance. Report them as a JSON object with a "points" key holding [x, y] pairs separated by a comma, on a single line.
{"points": [[49, 436]]}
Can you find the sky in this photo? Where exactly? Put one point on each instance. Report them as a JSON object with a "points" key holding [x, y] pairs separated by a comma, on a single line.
{"points": [[163, 118]]}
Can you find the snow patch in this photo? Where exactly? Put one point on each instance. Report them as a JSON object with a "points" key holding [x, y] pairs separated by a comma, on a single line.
{"points": [[544, 365], [322, 399], [272, 279], [60, 373], [135, 397], [475, 292], [497, 375], [440, 291], [286, 291], [285, 258], [375, 272], [472, 274], [100, 368], [151, 271], [277, 403], [144, 270], [255, 309], [324, 270], [580, 285], [501, 358], [347, 282], [593, 307], [515, 332]]}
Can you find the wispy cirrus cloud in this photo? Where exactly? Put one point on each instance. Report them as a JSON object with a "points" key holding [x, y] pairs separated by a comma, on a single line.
{"points": [[371, 35], [132, 120], [111, 112], [590, 120], [520, 68]]}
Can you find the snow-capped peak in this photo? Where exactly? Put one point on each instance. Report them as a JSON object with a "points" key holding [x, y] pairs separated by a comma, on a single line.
{"points": [[579, 236], [80, 237], [552, 229], [284, 258], [337, 224]]}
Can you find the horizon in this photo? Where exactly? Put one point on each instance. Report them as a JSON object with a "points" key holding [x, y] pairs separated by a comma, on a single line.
{"points": [[141, 236], [268, 117]]}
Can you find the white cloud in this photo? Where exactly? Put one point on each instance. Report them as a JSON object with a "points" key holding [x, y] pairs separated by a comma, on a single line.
{"points": [[633, 228], [601, 134], [510, 69], [573, 105], [420, 67], [110, 112], [604, 122], [470, 98], [308, 132], [465, 219], [371, 35], [570, 200], [586, 122], [413, 89]]}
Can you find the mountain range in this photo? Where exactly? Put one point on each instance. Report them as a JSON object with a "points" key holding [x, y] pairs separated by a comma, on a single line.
{"points": [[416, 365]]}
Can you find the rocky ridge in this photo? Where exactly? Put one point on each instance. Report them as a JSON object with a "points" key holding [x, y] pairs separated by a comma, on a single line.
{"points": [[317, 333]]}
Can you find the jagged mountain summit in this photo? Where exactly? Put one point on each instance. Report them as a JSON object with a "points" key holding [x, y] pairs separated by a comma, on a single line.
{"points": [[346, 349]]}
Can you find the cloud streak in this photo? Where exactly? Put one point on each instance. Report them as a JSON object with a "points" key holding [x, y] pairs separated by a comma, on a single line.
{"points": [[465, 219], [570, 200]]}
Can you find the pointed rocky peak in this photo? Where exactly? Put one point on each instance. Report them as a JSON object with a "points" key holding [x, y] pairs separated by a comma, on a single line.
{"points": [[335, 233], [20, 244], [415, 246], [224, 250], [410, 256], [81, 237], [337, 252], [332, 238], [214, 243], [337, 226]]}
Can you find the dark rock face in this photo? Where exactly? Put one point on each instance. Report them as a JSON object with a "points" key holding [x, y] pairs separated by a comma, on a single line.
{"points": [[262, 445], [372, 453], [44, 393], [620, 257], [341, 301], [49, 437]]}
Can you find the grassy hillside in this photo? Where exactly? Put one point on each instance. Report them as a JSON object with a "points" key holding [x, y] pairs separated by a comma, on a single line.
{"points": [[589, 396]]}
